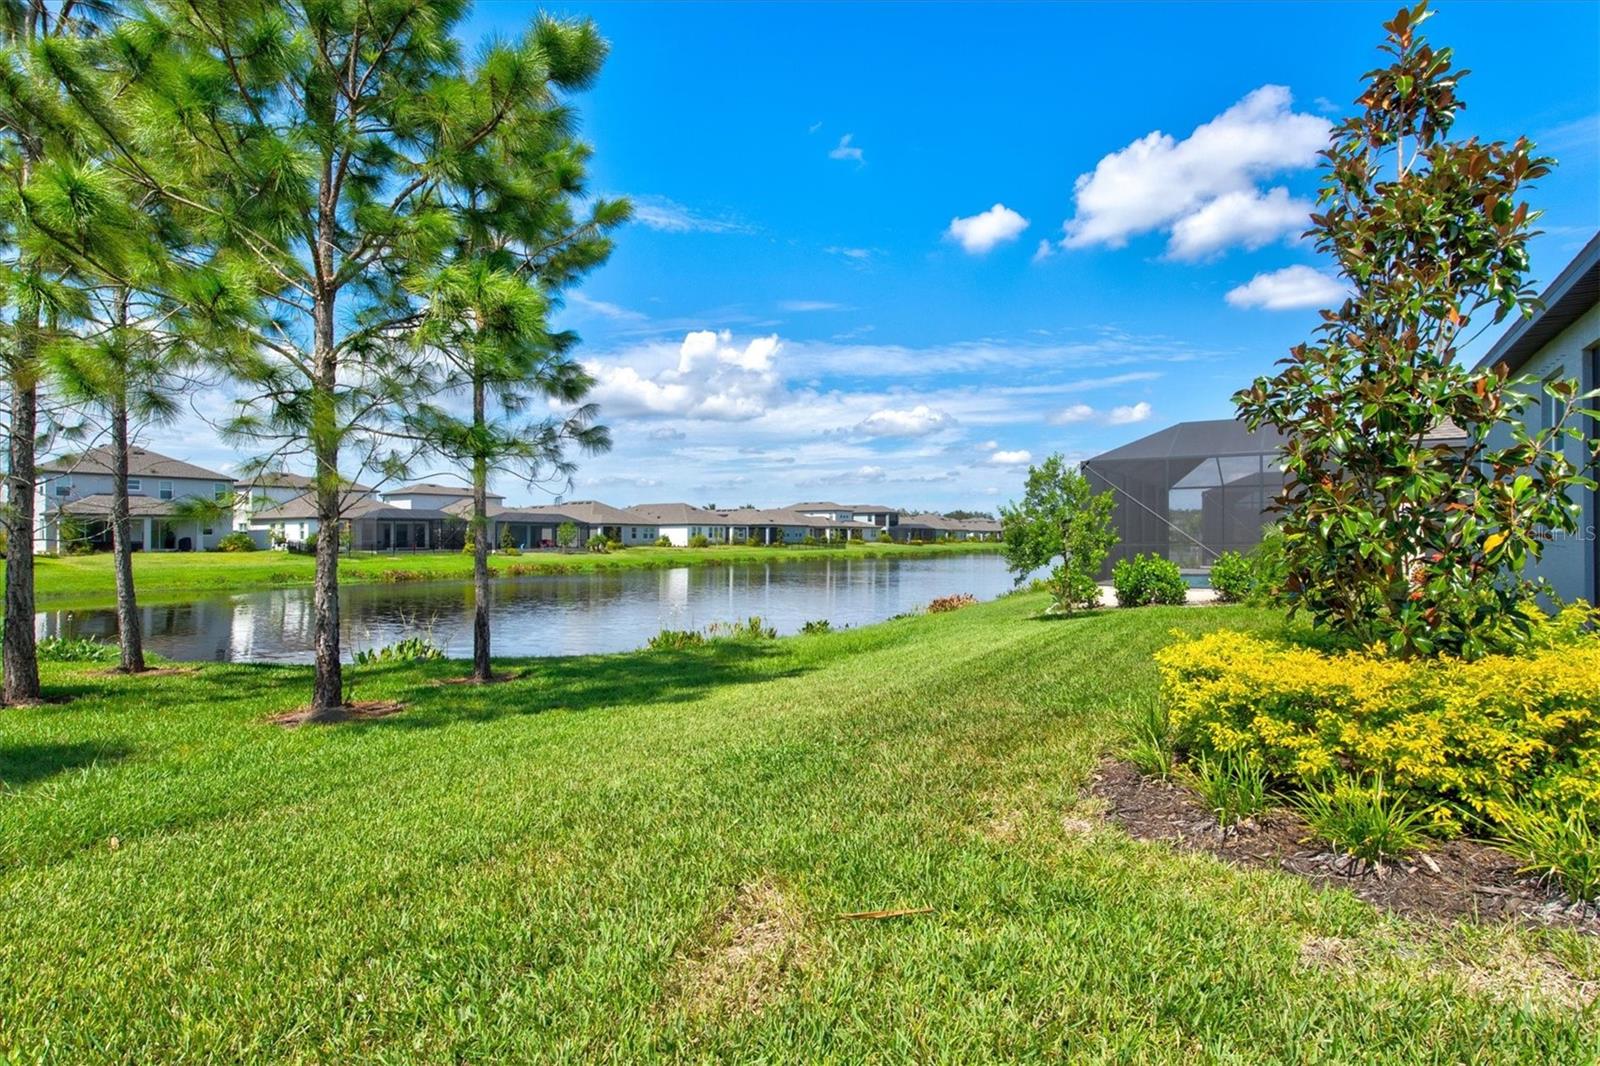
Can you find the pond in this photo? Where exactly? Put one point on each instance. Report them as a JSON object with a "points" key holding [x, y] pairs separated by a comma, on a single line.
{"points": [[556, 614]]}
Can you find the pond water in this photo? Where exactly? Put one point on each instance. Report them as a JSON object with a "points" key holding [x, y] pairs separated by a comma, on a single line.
{"points": [[556, 614]]}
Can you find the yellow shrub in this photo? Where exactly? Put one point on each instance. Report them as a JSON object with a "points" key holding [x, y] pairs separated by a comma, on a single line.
{"points": [[1473, 733]]}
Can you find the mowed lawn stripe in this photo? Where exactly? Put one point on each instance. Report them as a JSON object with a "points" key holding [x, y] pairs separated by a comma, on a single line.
{"points": [[521, 871]]}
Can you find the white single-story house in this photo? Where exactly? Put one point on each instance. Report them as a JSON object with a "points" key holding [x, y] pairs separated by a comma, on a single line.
{"points": [[164, 496], [1561, 340]]}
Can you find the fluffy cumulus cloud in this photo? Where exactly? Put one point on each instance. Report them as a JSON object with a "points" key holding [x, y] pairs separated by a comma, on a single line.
{"points": [[1204, 184], [1247, 218], [1121, 415], [1288, 289], [916, 421], [714, 379], [1127, 414], [1016, 458], [1073, 414], [980, 233]]}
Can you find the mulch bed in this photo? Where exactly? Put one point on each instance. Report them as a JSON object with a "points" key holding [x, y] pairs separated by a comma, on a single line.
{"points": [[1457, 880], [350, 712]]}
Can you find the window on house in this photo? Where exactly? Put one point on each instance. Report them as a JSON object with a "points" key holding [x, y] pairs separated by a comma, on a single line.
{"points": [[164, 490], [1552, 409], [222, 490], [134, 484]]}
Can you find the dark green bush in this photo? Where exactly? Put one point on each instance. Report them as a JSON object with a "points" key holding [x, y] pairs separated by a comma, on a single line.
{"points": [[699, 540], [1232, 578], [237, 541], [1148, 579]]}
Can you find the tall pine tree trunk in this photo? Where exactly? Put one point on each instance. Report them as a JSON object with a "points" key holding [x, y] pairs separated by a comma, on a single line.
{"points": [[130, 641], [20, 656], [481, 667], [327, 693]]}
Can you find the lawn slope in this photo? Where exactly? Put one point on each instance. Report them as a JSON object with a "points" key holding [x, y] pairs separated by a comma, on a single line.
{"points": [[642, 855]]}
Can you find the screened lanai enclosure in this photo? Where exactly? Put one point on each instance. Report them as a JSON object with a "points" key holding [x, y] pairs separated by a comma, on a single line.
{"points": [[1191, 491]]}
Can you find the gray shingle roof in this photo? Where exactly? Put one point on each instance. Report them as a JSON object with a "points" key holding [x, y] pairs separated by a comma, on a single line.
{"points": [[141, 463]]}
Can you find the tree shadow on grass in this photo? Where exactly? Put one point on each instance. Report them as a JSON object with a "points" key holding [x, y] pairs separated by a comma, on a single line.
{"points": [[24, 764], [582, 683]]}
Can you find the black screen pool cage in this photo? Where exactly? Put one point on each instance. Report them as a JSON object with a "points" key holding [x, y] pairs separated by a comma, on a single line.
{"points": [[1191, 491]]}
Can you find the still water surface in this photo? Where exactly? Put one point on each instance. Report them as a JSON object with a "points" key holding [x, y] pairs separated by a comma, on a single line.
{"points": [[557, 614]]}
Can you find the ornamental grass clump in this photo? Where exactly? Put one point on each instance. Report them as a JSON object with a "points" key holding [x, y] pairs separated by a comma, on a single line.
{"points": [[1233, 785], [1559, 842], [1364, 819]]}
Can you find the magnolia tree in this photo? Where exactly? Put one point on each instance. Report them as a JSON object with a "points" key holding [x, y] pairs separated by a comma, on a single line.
{"points": [[1062, 518], [1390, 534]]}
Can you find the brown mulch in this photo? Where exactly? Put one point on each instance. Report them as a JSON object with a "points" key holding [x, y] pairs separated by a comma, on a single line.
{"points": [[1456, 880], [350, 712]]}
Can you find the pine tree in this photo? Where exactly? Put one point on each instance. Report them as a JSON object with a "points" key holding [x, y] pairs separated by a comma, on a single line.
{"points": [[519, 243], [310, 144]]}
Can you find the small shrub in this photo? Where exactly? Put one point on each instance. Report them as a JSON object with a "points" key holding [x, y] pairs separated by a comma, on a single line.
{"points": [[1146, 580], [507, 541], [567, 535], [952, 603], [238, 541], [663, 542], [750, 629], [1560, 845], [598, 543], [76, 650], [512, 550], [409, 650], [397, 576], [1363, 820], [1233, 785], [810, 541], [752, 541], [699, 540], [1152, 750], [676, 640], [1071, 590], [1233, 578], [819, 625]]}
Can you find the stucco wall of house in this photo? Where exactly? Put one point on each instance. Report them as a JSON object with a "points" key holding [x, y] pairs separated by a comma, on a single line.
{"points": [[1569, 563], [56, 489]]}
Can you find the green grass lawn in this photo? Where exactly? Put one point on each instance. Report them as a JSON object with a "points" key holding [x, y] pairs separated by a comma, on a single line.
{"points": [[85, 579], [635, 856]]}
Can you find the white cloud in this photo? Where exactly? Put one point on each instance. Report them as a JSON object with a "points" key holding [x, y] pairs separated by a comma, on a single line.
{"points": [[1078, 412], [858, 254], [845, 150], [868, 473], [1121, 415], [980, 233], [1158, 180], [916, 421], [814, 127], [1016, 458], [800, 306], [665, 433], [1128, 414], [1045, 250], [615, 312], [1288, 289], [714, 379], [1247, 218], [669, 216]]}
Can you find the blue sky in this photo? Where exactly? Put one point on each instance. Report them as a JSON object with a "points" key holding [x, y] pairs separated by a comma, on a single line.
{"points": [[797, 314]]}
